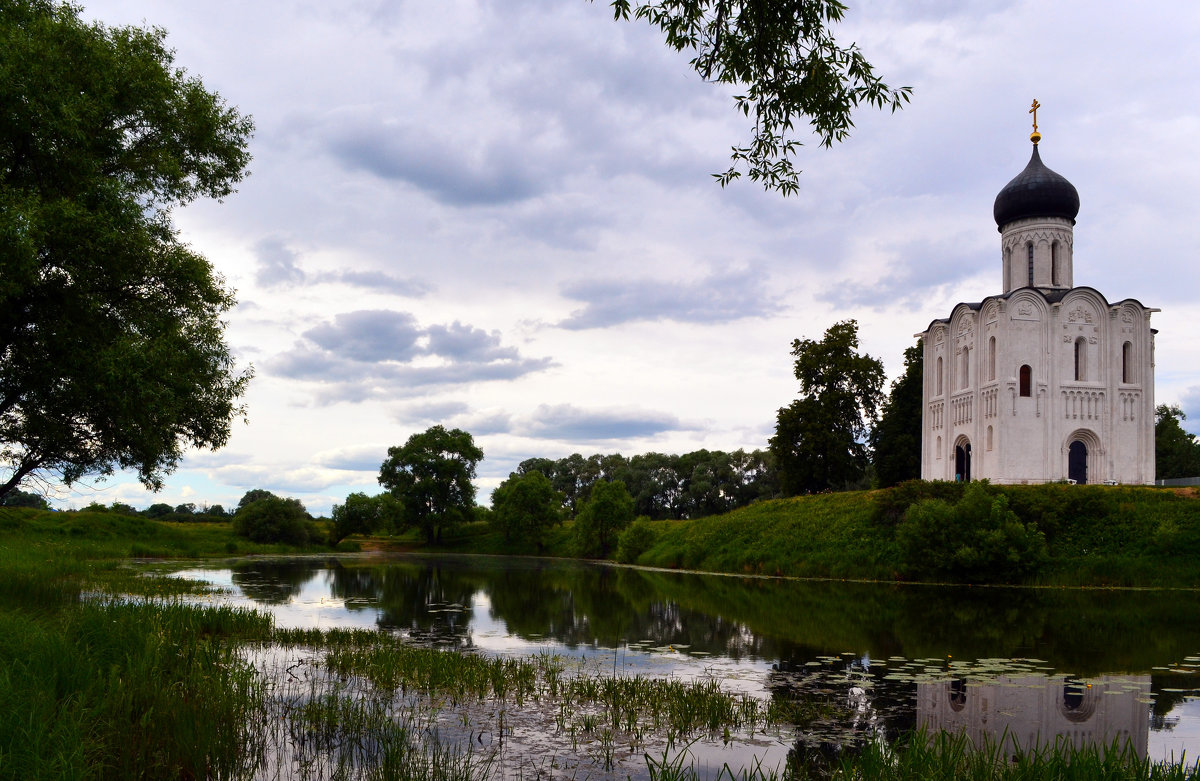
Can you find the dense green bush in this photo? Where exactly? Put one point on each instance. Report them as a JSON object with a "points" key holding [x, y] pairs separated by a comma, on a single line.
{"points": [[635, 540], [273, 519], [362, 514], [890, 504], [977, 539]]}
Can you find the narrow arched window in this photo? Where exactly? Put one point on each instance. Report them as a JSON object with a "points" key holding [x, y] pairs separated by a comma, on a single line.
{"points": [[1026, 380], [966, 368], [939, 447], [989, 438], [939, 376], [1080, 359], [1055, 271], [1127, 362], [1029, 263], [992, 358]]}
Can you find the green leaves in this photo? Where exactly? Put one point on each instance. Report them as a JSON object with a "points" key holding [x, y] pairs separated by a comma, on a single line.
{"points": [[896, 440], [784, 54], [524, 506], [431, 475], [820, 438], [976, 539], [608, 510], [1176, 452], [112, 351]]}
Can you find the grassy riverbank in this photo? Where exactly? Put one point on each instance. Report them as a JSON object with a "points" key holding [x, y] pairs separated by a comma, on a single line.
{"points": [[96, 685], [1051, 535]]}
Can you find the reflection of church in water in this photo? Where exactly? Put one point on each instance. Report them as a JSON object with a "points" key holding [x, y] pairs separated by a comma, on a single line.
{"points": [[1038, 711], [1045, 381]]}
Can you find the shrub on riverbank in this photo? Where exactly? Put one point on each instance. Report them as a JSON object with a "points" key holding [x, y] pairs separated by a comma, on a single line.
{"points": [[977, 534]]}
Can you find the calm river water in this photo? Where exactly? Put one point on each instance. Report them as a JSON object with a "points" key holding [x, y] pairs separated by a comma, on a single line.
{"points": [[1041, 664]]}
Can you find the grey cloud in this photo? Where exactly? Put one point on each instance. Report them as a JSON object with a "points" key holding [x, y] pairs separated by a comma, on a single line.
{"points": [[572, 423], [490, 175], [497, 423], [378, 281], [370, 353], [917, 268], [465, 343], [360, 458], [433, 410], [718, 298], [276, 264], [369, 335], [279, 265]]}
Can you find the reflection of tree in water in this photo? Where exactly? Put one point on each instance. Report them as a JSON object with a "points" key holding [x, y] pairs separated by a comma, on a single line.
{"points": [[274, 582], [427, 600], [605, 605]]}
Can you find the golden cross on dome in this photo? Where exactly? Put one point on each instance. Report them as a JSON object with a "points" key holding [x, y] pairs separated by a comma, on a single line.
{"points": [[1035, 136]]}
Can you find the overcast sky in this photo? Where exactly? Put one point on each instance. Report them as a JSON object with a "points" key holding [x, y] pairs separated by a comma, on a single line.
{"points": [[499, 216]]}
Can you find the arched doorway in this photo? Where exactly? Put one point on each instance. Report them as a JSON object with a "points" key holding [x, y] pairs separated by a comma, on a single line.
{"points": [[962, 460], [1077, 462]]}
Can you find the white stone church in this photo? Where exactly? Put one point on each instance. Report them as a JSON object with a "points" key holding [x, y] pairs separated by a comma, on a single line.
{"points": [[1045, 381]]}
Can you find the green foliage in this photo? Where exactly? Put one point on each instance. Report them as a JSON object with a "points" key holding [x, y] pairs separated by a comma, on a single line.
{"points": [[1176, 452], [889, 506], [273, 519], [112, 351], [786, 66], [158, 510], [608, 510], [819, 438], [253, 495], [692, 485], [19, 498], [635, 540], [525, 506], [362, 514], [896, 439], [977, 539], [431, 474]]}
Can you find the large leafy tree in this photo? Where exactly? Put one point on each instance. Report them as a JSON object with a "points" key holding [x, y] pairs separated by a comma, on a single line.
{"points": [[112, 351], [820, 438], [788, 68], [1176, 452], [896, 440], [525, 506], [608, 510], [431, 475]]}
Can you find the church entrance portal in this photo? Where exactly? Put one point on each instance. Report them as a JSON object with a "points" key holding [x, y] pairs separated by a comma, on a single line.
{"points": [[1077, 458], [962, 461]]}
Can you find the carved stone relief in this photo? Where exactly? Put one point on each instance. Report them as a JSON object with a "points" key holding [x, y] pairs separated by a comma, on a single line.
{"points": [[1079, 313]]}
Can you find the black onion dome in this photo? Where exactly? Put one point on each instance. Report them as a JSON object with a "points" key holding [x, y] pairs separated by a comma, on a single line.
{"points": [[1036, 192]]}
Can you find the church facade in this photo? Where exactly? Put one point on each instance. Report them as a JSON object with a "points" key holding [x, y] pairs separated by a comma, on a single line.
{"points": [[1044, 381]]}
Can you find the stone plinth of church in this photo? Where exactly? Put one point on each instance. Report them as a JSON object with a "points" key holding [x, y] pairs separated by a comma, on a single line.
{"points": [[1044, 381]]}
